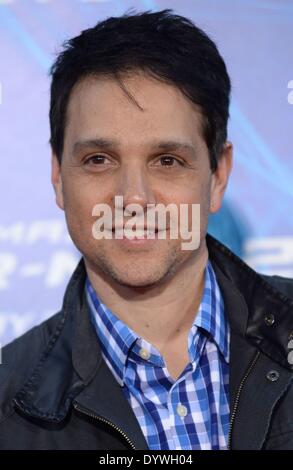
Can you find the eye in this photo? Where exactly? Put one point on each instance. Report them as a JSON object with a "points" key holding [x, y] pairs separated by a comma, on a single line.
{"points": [[96, 160], [170, 161]]}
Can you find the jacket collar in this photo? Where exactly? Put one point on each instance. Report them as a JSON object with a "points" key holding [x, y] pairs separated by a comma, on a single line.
{"points": [[259, 302], [48, 394]]}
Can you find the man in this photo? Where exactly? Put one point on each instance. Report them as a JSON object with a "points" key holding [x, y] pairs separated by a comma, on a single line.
{"points": [[156, 346]]}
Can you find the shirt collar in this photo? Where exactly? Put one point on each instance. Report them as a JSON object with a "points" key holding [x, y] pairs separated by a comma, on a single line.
{"points": [[117, 338], [211, 316]]}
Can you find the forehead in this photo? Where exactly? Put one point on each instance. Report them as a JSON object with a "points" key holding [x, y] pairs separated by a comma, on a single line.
{"points": [[136, 105]]}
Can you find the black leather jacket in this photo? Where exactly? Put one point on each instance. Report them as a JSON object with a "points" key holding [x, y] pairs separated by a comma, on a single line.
{"points": [[56, 392]]}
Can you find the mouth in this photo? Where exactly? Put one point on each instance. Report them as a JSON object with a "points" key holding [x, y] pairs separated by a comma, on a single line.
{"points": [[140, 233]]}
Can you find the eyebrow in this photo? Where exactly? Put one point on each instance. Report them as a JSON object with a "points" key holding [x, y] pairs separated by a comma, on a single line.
{"points": [[106, 144]]}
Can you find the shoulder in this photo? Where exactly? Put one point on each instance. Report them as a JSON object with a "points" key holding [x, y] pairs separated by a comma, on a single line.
{"points": [[282, 284], [19, 357]]}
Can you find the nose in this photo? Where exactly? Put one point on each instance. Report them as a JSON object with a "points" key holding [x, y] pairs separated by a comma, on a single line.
{"points": [[135, 187]]}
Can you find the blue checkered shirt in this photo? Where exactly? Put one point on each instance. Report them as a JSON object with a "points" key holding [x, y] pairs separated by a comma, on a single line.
{"points": [[191, 412]]}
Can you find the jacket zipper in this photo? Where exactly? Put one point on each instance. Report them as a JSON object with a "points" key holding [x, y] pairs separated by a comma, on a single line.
{"points": [[104, 420], [250, 368]]}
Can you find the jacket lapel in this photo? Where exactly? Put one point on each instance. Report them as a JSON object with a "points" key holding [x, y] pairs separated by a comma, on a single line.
{"points": [[104, 398], [253, 395], [103, 395]]}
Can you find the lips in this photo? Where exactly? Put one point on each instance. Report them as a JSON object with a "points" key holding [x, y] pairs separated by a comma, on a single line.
{"points": [[137, 234]]}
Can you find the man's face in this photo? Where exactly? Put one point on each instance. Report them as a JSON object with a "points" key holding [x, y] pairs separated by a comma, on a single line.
{"points": [[114, 147]]}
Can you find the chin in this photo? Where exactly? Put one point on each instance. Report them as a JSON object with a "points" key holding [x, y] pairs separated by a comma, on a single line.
{"points": [[142, 283], [135, 274], [135, 279]]}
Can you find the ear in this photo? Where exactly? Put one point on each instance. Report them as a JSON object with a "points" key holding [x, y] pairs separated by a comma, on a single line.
{"points": [[56, 179], [220, 177]]}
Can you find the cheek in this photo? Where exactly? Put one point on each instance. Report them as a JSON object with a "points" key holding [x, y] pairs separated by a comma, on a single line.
{"points": [[193, 193], [81, 195], [199, 195], [181, 200], [79, 203]]}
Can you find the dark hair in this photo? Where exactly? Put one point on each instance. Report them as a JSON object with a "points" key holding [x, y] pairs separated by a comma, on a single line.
{"points": [[168, 47]]}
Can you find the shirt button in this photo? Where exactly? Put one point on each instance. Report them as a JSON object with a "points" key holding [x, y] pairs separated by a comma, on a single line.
{"points": [[144, 354], [181, 411]]}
